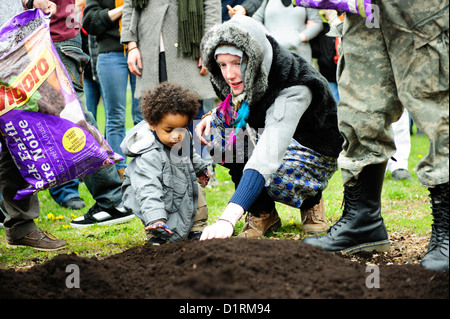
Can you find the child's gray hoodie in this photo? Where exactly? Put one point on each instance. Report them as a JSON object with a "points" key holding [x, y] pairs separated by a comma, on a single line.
{"points": [[160, 184]]}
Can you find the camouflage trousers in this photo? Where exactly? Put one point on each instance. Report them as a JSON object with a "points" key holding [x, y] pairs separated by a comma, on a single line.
{"points": [[400, 61]]}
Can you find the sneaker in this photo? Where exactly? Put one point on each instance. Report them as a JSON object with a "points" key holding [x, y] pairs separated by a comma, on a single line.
{"points": [[257, 227], [74, 203], [156, 241], [39, 240], [401, 174], [101, 216]]}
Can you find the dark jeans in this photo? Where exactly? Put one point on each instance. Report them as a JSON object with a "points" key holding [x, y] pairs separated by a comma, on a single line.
{"points": [[264, 202]]}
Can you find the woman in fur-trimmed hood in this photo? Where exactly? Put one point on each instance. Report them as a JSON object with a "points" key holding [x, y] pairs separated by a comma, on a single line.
{"points": [[281, 100]]}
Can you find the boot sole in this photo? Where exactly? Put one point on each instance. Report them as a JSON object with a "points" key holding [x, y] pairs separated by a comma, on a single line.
{"points": [[379, 246], [12, 246]]}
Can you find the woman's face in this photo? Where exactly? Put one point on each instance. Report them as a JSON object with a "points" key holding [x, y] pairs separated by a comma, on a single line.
{"points": [[230, 66], [171, 129]]}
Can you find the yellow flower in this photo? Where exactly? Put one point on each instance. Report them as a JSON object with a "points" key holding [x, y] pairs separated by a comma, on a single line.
{"points": [[59, 217], [73, 216], [66, 226], [51, 216], [420, 156]]}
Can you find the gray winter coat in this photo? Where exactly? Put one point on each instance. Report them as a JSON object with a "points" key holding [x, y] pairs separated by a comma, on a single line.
{"points": [[145, 27], [160, 185]]}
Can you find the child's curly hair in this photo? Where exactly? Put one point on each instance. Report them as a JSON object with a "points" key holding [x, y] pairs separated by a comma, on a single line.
{"points": [[166, 98]]}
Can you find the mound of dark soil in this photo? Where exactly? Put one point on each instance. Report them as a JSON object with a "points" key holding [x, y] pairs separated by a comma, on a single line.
{"points": [[227, 268]]}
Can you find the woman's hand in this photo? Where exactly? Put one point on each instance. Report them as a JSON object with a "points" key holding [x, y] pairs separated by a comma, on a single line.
{"points": [[224, 226], [220, 229], [134, 59], [202, 129]]}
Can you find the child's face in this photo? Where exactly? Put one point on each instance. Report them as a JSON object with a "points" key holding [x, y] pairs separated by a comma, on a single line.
{"points": [[171, 129], [230, 66]]}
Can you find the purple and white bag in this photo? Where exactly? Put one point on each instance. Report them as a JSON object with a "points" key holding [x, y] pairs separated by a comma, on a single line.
{"points": [[361, 7], [41, 119]]}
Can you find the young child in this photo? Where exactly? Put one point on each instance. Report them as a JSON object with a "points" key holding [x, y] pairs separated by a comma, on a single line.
{"points": [[160, 184]]}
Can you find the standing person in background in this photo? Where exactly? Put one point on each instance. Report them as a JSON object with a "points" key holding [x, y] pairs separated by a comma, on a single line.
{"points": [[91, 83], [324, 49], [163, 39], [104, 185], [103, 18], [291, 27], [163, 42], [402, 139]]}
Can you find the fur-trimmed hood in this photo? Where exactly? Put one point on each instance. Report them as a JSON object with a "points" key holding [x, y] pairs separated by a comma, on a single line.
{"points": [[249, 36]]}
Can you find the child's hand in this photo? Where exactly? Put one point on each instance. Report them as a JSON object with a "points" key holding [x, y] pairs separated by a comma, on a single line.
{"points": [[204, 177], [160, 228]]}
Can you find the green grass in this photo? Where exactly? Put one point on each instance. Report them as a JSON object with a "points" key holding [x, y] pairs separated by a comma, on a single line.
{"points": [[405, 209]]}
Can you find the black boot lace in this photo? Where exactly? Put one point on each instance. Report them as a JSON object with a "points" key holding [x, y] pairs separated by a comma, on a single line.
{"points": [[439, 206], [349, 204]]}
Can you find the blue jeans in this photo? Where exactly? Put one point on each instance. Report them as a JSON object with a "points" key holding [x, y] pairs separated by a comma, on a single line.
{"points": [[93, 95], [112, 70], [62, 193], [334, 90], [105, 184]]}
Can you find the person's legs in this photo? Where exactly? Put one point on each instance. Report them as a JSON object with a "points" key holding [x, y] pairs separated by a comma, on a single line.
{"points": [[368, 105], [112, 70], [67, 195], [105, 184], [421, 62], [20, 229], [93, 94], [402, 138], [136, 113]]}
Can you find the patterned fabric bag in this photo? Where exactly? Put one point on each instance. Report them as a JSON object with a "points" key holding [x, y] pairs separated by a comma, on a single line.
{"points": [[302, 173]]}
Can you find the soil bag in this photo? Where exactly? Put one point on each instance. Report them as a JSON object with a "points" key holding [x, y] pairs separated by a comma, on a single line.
{"points": [[41, 118], [361, 7]]}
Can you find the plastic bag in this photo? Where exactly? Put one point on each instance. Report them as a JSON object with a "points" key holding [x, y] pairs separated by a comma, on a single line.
{"points": [[41, 118], [361, 7]]}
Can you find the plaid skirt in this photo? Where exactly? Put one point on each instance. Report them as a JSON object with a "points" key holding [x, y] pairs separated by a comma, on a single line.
{"points": [[302, 173]]}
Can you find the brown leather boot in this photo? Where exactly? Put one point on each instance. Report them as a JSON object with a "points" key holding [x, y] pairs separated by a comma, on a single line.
{"points": [[257, 227], [313, 219]]}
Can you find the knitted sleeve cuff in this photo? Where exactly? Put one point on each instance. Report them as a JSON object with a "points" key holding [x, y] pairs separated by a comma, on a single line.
{"points": [[249, 188]]}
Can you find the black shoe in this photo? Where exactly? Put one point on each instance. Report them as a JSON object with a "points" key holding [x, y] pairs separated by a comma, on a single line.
{"points": [[361, 227], [156, 241], [101, 216], [74, 203], [401, 174], [437, 256], [195, 235]]}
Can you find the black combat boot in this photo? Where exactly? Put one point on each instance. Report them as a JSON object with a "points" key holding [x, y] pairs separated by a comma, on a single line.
{"points": [[436, 257], [361, 227]]}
